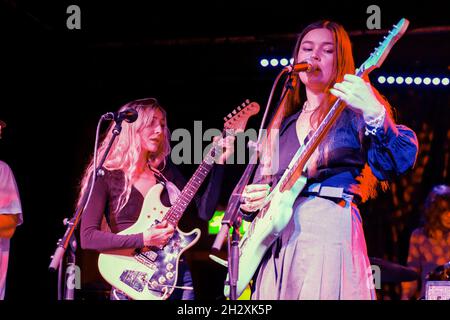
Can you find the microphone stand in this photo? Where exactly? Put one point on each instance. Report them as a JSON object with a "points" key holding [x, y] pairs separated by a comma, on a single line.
{"points": [[232, 217], [69, 236]]}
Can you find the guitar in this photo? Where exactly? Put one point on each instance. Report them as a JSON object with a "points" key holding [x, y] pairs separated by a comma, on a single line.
{"points": [[277, 209], [151, 273]]}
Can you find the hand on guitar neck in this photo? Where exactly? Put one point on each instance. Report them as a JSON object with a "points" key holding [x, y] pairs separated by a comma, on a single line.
{"points": [[158, 235], [227, 145], [360, 96]]}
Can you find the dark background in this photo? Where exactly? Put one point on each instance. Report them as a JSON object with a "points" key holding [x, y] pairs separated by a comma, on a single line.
{"points": [[200, 59]]}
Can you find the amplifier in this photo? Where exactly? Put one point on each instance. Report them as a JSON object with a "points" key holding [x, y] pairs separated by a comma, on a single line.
{"points": [[437, 290]]}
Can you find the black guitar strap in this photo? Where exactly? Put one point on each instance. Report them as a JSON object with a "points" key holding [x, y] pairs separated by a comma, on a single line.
{"points": [[171, 188]]}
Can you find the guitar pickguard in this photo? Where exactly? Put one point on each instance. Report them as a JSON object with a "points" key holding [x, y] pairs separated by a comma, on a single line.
{"points": [[162, 265]]}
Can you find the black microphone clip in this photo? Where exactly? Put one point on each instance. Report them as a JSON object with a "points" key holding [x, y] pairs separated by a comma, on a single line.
{"points": [[129, 115]]}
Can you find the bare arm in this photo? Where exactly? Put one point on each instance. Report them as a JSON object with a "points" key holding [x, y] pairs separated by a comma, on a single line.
{"points": [[8, 223]]}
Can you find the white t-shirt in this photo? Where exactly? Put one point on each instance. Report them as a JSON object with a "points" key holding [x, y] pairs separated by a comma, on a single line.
{"points": [[9, 204]]}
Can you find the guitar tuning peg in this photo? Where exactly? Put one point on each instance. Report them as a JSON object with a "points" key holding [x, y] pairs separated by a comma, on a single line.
{"points": [[233, 112], [247, 101], [243, 104], [229, 116], [225, 119], [239, 108]]}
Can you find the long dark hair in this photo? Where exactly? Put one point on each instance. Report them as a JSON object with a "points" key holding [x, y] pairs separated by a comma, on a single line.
{"points": [[343, 64]]}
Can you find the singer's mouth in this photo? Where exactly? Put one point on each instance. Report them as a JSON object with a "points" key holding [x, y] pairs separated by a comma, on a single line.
{"points": [[155, 140]]}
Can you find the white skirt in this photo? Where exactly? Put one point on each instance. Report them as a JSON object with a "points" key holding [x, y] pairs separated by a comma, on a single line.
{"points": [[321, 254]]}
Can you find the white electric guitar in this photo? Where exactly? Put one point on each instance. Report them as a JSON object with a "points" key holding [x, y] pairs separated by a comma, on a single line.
{"points": [[277, 210], [151, 273]]}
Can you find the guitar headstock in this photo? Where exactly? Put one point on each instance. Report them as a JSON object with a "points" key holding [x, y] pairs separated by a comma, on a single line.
{"points": [[237, 119], [378, 56]]}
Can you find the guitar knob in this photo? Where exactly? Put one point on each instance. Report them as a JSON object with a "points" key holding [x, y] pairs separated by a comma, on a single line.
{"points": [[169, 267], [161, 279], [169, 275], [154, 284]]}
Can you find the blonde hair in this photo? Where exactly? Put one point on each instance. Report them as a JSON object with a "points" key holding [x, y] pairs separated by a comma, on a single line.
{"points": [[126, 149]]}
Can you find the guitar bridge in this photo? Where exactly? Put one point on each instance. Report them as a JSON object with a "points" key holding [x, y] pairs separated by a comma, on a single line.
{"points": [[145, 261], [134, 279]]}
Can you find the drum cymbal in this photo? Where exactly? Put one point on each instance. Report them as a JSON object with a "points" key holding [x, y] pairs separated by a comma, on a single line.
{"points": [[393, 272]]}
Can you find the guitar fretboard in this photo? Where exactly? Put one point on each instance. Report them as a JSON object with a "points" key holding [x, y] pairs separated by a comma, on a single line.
{"points": [[190, 189]]}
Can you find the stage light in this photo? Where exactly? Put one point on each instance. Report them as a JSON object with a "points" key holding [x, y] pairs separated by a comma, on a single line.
{"points": [[274, 62], [436, 81], [264, 62], [417, 80], [445, 81], [381, 79], [284, 62], [399, 80], [390, 80], [408, 80], [426, 81]]}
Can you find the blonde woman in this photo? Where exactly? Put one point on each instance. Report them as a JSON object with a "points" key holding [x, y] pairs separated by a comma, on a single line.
{"points": [[118, 195]]}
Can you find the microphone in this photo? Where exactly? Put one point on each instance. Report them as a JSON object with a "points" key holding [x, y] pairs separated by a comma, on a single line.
{"points": [[129, 115], [304, 66]]}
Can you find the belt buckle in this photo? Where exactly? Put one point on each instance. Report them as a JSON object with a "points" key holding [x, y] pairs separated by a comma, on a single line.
{"points": [[331, 192]]}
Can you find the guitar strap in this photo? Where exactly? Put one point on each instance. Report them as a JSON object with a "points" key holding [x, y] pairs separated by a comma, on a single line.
{"points": [[171, 188]]}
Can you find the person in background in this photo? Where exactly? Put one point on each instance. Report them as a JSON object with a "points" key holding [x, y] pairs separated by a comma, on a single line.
{"points": [[429, 245], [10, 216]]}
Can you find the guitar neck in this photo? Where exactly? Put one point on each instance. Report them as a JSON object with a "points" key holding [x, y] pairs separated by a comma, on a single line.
{"points": [[190, 189]]}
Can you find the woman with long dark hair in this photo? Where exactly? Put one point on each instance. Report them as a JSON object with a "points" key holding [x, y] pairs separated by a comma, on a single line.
{"points": [[321, 253]]}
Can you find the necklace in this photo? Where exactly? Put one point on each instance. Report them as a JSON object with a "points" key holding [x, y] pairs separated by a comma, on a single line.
{"points": [[306, 107]]}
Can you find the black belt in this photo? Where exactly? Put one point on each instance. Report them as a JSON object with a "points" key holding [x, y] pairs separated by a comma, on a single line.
{"points": [[335, 194]]}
